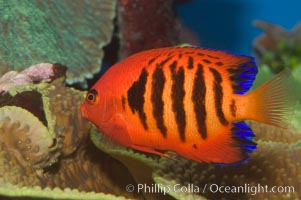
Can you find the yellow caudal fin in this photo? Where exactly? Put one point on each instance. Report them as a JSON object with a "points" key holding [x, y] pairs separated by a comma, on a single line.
{"points": [[273, 102]]}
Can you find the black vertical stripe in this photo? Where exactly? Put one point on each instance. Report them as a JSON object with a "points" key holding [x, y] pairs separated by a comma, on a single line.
{"points": [[190, 62], [198, 99], [158, 81], [233, 108], [136, 96], [177, 96], [218, 96], [162, 63], [152, 60]]}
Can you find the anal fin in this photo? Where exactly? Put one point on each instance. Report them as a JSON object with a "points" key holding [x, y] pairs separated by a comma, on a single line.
{"points": [[242, 136], [231, 146]]}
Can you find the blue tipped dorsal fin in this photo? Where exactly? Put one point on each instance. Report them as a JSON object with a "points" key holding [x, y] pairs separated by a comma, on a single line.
{"points": [[243, 138], [241, 69], [243, 75]]}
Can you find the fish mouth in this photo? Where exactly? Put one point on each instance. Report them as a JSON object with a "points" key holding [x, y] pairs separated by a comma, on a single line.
{"points": [[83, 110]]}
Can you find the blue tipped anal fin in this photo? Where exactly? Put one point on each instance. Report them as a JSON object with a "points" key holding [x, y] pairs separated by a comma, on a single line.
{"points": [[242, 135]]}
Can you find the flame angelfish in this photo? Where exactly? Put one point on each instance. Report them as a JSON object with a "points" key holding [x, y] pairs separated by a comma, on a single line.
{"points": [[188, 100]]}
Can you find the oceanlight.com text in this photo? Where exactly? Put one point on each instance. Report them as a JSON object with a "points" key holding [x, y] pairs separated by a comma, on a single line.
{"points": [[209, 188], [250, 189]]}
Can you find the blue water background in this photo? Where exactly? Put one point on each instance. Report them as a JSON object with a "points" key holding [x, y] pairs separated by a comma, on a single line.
{"points": [[227, 24]]}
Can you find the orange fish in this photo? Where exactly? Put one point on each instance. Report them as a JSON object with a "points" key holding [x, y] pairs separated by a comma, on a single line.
{"points": [[188, 100]]}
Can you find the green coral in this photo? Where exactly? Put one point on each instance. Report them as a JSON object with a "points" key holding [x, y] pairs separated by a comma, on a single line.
{"points": [[105, 144], [68, 32], [278, 48], [286, 54], [38, 193]]}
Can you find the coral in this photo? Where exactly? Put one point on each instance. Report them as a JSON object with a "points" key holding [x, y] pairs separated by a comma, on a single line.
{"points": [[277, 47], [78, 177], [13, 172], [26, 137], [275, 50], [275, 134], [69, 32], [145, 25], [104, 143], [90, 170], [45, 71], [11, 79], [46, 115], [57, 106], [36, 73], [38, 193], [64, 103]]}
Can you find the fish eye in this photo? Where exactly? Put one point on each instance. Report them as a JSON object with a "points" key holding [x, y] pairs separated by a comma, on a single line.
{"points": [[92, 96]]}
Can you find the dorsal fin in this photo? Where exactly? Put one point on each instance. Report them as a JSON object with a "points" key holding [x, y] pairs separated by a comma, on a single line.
{"points": [[243, 76], [242, 69]]}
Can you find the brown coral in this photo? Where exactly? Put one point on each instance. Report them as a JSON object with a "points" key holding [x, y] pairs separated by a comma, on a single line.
{"points": [[63, 103], [270, 133], [57, 107], [26, 138], [54, 109], [87, 170]]}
